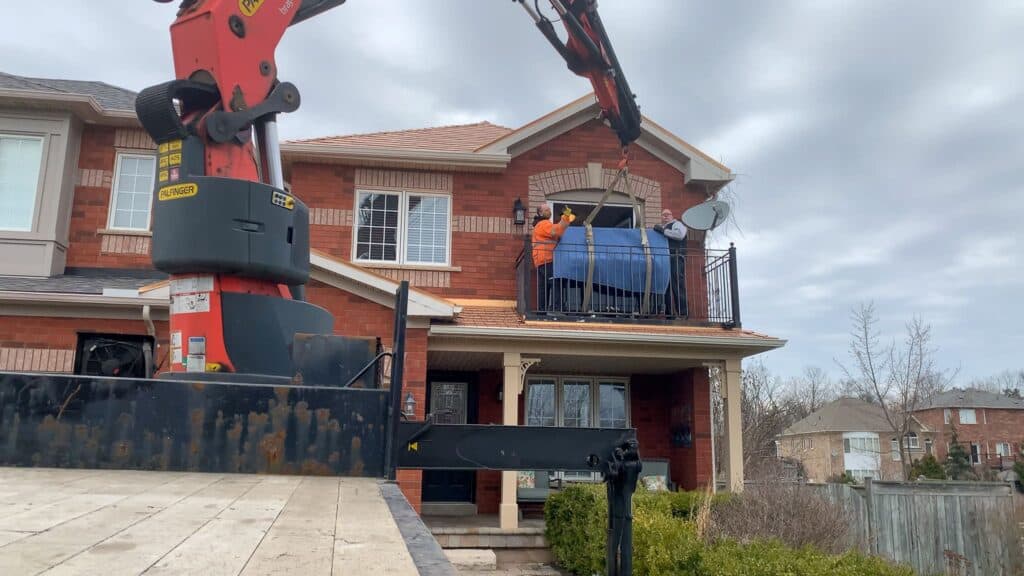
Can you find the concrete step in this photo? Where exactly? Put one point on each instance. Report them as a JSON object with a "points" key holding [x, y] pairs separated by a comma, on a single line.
{"points": [[473, 560], [449, 509]]}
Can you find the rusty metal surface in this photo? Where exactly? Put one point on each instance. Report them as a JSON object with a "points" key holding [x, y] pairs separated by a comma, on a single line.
{"points": [[84, 422]]}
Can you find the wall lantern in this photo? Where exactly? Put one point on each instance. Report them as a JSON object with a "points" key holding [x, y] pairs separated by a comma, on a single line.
{"points": [[519, 213], [410, 405]]}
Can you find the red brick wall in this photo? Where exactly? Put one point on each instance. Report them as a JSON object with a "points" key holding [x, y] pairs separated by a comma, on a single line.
{"points": [[91, 206], [487, 260], [62, 333], [993, 426], [489, 411], [660, 403]]}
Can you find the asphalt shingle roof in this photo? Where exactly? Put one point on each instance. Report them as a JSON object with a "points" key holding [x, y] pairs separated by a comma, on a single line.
{"points": [[973, 398], [460, 138], [109, 97], [83, 281], [843, 415]]}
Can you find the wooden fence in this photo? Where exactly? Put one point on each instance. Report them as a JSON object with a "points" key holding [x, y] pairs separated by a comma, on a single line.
{"points": [[954, 528]]}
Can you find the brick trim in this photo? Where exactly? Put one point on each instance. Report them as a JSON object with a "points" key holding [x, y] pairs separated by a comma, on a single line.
{"points": [[133, 138], [36, 360], [330, 217], [483, 224], [124, 244], [435, 182], [95, 178], [418, 278]]}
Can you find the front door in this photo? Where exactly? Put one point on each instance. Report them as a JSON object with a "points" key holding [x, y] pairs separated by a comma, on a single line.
{"points": [[448, 405]]}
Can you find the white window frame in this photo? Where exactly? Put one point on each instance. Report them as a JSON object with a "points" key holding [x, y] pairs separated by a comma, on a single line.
{"points": [[912, 441], [946, 414], [894, 447], [121, 155], [1004, 453], [595, 407], [971, 452], [401, 235], [972, 412], [40, 174]]}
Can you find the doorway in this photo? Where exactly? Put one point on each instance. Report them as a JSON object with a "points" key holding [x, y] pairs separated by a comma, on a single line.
{"points": [[449, 403]]}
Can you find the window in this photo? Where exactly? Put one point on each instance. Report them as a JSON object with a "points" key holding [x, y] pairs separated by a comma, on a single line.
{"points": [[928, 445], [576, 402], [611, 215], [1003, 449], [581, 402], [945, 415], [21, 160], [967, 416], [132, 194], [895, 449], [846, 445], [403, 228], [975, 453], [911, 441]]}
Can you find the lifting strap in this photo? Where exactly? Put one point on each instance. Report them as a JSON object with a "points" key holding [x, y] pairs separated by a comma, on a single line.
{"points": [[588, 288]]}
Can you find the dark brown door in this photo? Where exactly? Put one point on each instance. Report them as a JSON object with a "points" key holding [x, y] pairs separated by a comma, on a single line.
{"points": [[449, 403]]}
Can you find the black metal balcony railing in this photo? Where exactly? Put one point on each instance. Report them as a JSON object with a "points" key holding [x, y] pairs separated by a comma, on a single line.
{"points": [[688, 286]]}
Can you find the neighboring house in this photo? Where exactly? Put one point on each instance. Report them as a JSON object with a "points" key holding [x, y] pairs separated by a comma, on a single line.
{"points": [[434, 206], [989, 426], [852, 436]]}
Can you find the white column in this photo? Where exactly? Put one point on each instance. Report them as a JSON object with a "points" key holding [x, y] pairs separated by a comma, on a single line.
{"points": [[508, 512], [730, 387]]}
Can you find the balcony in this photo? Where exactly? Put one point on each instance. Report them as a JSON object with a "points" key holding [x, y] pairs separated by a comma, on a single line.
{"points": [[688, 286]]}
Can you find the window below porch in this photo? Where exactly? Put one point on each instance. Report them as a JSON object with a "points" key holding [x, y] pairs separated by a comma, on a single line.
{"points": [[577, 402]]}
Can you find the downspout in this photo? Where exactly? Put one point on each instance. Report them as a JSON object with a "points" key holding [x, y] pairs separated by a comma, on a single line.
{"points": [[147, 349], [714, 459]]}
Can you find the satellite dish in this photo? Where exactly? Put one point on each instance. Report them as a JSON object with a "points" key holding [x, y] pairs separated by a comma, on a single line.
{"points": [[706, 216]]}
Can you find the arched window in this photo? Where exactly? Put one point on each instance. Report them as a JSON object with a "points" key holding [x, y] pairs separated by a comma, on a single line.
{"points": [[911, 440]]}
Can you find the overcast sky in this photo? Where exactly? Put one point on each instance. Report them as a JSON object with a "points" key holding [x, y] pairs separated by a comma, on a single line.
{"points": [[879, 146]]}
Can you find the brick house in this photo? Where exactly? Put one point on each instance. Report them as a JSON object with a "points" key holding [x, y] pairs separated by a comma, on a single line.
{"points": [[852, 436], [434, 206], [990, 426]]}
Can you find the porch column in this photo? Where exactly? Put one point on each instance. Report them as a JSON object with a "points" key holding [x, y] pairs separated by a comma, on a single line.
{"points": [[508, 511], [731, 397]]}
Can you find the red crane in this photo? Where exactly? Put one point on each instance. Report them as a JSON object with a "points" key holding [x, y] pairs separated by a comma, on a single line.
{"points": [[235, 243]]}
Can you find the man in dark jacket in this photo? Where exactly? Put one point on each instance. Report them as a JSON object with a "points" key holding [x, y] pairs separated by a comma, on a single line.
{"points": [[675, 232]]}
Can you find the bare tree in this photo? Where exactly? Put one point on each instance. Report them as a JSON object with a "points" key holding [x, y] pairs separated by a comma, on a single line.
{"points": [[808, 392], [1007, 382], [899, 377]]}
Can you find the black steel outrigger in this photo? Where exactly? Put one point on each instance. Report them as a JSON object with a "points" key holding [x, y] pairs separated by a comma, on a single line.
{"points": [[614, 452]]}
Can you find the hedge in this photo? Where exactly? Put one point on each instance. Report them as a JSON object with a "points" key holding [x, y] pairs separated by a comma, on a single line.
{"points": [[665, 541]]}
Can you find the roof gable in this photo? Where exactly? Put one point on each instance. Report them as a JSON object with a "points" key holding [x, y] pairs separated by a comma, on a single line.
{"points": [[693, 163]]}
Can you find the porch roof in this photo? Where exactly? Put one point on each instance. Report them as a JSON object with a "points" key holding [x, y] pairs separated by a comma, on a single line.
{"points": [[497, 317]]}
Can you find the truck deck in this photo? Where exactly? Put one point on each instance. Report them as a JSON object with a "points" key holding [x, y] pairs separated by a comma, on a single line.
{"points": [[128, 522]]}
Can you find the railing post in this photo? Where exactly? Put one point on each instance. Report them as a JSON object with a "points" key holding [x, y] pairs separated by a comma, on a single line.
{"points": [[397, 373], [734, 286]]}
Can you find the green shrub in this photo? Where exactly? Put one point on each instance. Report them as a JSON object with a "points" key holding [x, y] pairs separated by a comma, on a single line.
{"points": [[772, 558], [928, 467], [575, 525], [666, 543]]}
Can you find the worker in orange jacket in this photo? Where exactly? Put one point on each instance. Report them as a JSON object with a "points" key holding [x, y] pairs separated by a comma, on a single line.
{"points": [[546, 235]]}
